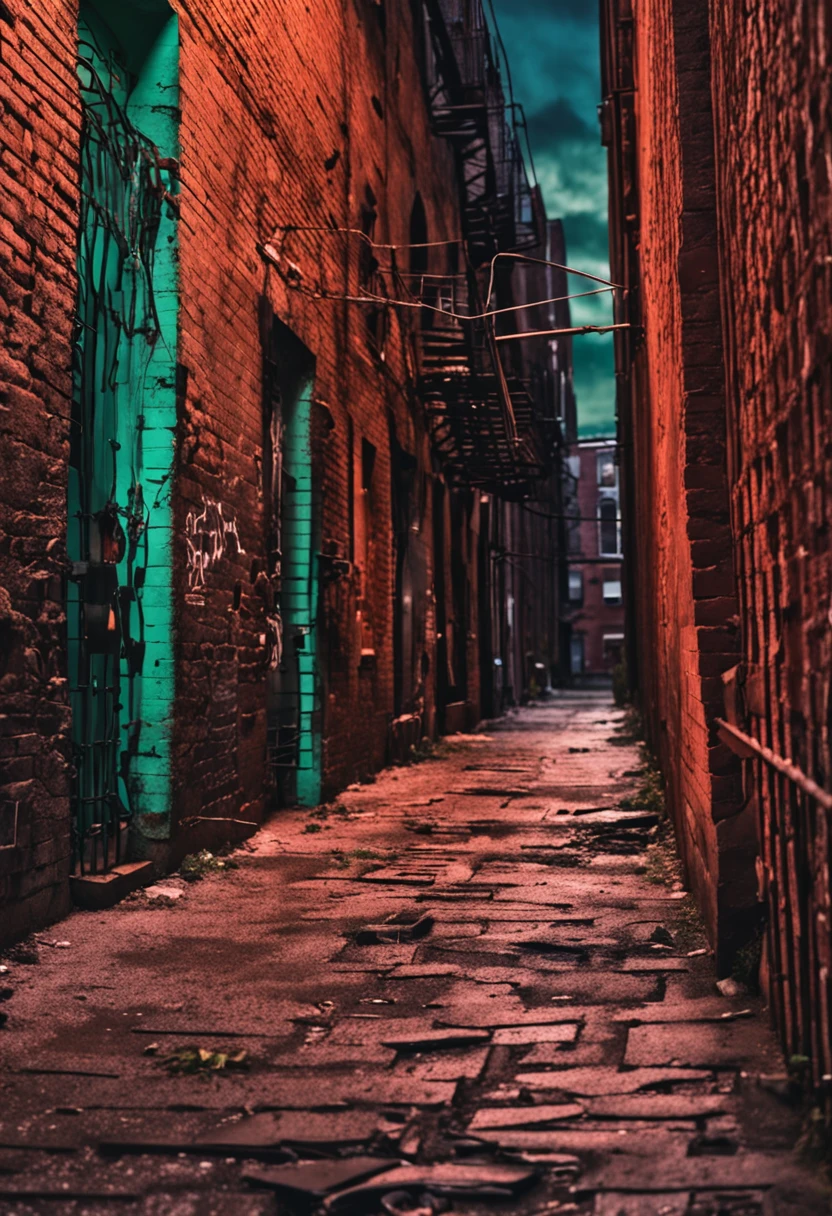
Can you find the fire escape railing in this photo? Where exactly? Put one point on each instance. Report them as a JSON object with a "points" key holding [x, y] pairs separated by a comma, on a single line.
{"points": [[482, 418]]}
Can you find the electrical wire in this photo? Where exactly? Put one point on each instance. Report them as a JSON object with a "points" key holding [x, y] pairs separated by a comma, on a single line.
{"points": [[370, 298], [274, 255]]}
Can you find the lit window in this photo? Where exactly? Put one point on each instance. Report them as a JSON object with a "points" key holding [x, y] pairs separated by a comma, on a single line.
{"points": [[576, 587], [612, 590], [609, 531], [607, 472]]}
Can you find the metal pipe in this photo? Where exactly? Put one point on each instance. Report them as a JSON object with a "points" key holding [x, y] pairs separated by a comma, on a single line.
{"points": [[575, 329], [743, 744]]}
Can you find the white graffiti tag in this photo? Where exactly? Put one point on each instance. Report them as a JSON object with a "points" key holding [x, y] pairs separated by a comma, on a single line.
{"points": [[209, 537]]}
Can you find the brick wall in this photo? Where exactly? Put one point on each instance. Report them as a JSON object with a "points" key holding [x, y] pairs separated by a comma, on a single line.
{"points": [[296, 118], [296, 114], [38, 201], [727, 395], [771, 88], [678, 529]]}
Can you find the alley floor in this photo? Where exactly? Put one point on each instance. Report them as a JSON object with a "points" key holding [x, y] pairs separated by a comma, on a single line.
{"points": [[470, 983]]}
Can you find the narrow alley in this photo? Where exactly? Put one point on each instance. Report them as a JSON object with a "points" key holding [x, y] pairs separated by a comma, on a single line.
{"points": [[474, 981]]}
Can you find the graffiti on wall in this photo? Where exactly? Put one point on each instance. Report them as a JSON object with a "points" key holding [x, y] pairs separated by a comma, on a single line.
{"points": [[209, 537]]}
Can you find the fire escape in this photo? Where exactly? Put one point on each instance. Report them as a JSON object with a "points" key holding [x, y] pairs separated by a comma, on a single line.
{"points": [[482, 417]]}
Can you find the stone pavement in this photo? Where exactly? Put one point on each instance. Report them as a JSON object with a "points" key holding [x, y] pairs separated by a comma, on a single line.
{"points": [[459, 984]]}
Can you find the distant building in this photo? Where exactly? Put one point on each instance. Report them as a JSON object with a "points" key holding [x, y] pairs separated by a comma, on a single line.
{"points": [[594, 608]]}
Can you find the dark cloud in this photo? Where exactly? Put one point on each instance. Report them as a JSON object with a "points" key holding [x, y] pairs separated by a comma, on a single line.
{"points": [[558, 123], [587, 231], [595, 384], [580, 12], [553, 49]]}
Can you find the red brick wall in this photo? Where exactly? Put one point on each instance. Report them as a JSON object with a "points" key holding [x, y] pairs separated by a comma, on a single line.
{"points": [[268, 97], [771, 87], [678, 531], [39, 112]]}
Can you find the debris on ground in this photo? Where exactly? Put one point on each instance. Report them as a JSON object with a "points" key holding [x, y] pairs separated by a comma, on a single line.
{"points": [[163, 892], [186, 1061], [197, 865]]}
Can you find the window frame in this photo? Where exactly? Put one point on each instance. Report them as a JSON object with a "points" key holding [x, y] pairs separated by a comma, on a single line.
{"points": [[603, 502]]}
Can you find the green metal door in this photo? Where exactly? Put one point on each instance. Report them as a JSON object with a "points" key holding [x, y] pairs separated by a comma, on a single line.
{"points": [[119, 606]]}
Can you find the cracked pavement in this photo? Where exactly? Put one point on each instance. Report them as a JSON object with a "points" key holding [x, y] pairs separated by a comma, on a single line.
{"points": [[463, 983]]}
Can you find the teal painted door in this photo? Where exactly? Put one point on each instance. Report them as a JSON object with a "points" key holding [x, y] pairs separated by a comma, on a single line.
{"points": [[119, 601], [293, 697]]}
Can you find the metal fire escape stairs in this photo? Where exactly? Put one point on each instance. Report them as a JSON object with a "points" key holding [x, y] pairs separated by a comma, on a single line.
{"points": [[482, 420]]}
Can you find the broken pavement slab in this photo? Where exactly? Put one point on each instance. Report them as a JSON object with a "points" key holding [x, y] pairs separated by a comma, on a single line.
{"points": [[395, 930], [596, 1082], [477, 1180], [262, 955], [264, 1135], [536, 1032], [490, 1117], [658, 1106], [713, 1044], [431, 1040], [313, 1180]]}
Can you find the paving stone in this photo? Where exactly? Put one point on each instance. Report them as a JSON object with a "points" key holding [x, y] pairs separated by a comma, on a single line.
{"points": [[705, 1009], [712, 1044], [422, 971], [453, 1066], [379, 957], [498, 1013], [399, 878], [658, 1106], [597, 1082], [472, 1180], [459, 929], [619, 1203], [321, 1055], [658, 962], [260, 1135], [578, 1056], [377, 1025], [593, 987], [662, 1143], [430, 1040], [536, 1033], [395, 930], [752, 1172], [295, 1091], [310, 1180], [490, 1117]]}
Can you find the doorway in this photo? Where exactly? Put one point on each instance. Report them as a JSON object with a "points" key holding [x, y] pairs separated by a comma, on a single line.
{"points": [[291, 543], [119, 525]]}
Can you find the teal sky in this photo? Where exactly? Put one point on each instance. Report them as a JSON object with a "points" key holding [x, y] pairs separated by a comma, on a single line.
{"points": [[553, 51]]}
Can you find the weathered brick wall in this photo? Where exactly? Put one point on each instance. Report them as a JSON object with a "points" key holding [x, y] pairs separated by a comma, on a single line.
{"points": [[298, 114], [679, 536], [39, 113], [288, 117], [773, 100]]}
